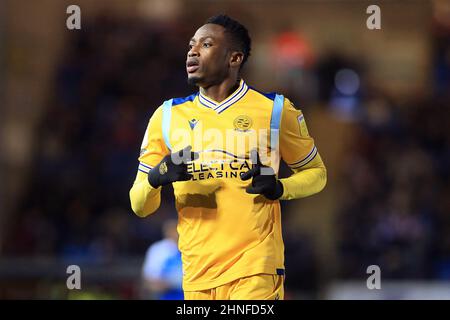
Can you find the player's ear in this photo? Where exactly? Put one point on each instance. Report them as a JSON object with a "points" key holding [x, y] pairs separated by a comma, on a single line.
{"points": [[236, 58]]}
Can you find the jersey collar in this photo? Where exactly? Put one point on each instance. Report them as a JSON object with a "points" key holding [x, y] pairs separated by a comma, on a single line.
{"points": [[228, 102]]}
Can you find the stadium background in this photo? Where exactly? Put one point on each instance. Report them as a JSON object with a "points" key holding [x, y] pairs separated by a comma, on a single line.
{"points": [[74, 106]]}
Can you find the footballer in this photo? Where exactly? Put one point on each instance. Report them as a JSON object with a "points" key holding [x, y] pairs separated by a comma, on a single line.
{"points": [[220, 148]]}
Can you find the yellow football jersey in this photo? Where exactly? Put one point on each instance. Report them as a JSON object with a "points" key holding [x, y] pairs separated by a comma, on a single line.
{"points": [[224, 232]]}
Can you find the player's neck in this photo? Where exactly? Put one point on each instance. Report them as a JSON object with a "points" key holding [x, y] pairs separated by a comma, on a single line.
{"points": [[221, 91]]}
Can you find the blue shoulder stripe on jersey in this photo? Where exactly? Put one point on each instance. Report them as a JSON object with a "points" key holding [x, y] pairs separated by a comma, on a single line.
{"points": [[166, 116], [275, 121], [270, 95], [176, 101]]}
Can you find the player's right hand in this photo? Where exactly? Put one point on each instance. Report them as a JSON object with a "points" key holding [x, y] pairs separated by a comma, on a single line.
{"points": [[172, 168]]}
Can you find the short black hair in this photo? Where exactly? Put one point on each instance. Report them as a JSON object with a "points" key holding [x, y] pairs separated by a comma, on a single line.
{"points": [[239, 33]]}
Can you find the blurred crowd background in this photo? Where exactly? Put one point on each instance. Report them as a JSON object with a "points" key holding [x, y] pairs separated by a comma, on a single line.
{"points": [[75, 104]]}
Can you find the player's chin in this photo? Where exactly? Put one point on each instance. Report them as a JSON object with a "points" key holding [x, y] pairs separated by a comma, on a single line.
{"points": [[193, 80]]}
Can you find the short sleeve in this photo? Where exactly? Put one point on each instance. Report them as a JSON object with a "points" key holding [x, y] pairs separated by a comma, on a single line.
{"points": [[296, 145], [153, 148]]}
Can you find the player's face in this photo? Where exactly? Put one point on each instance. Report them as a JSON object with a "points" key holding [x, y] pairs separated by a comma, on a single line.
{"points": [[208, 57]]}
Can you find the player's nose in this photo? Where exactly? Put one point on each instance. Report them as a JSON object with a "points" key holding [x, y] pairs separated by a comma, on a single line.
{"points": [[193, 52]]}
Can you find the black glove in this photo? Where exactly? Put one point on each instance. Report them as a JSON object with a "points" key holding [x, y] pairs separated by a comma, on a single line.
{"points": [[172, 167], [265, 183]]}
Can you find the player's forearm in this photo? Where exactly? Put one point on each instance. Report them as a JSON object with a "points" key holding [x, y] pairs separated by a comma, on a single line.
{"points": [[143, 197], [305, 182]]}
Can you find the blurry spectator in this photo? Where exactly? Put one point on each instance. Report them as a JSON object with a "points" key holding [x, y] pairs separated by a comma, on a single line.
{"points": [[292, 62], [162, 269], [395, 180], [341, 84], [87, 143]]}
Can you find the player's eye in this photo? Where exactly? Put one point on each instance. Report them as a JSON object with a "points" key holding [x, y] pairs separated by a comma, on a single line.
{"points": [[190, 46], [207, 44]]}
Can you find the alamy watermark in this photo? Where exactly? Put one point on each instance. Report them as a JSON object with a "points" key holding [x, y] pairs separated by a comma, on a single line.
{"points": [[373, 22], [74, 280], [73, 22], [374, 280]]}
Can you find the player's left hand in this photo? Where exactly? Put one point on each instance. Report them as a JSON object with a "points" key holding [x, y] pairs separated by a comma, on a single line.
{"points": [[264, 181]]}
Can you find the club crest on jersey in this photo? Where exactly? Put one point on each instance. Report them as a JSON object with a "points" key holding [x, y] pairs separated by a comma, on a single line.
{"points": [[242, 123], [193, 123]]}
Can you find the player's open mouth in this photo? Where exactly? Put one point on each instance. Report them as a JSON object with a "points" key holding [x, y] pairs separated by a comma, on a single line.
{"points": [[192, 66]]}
